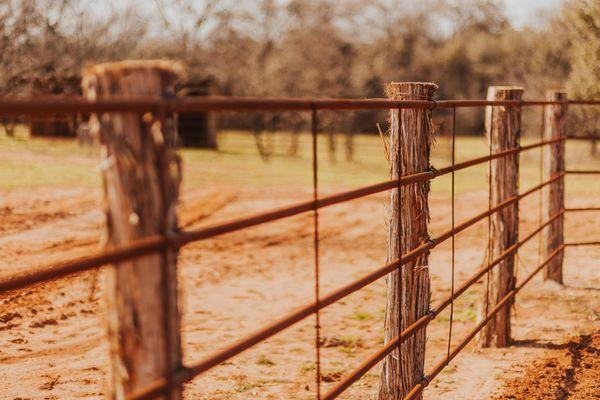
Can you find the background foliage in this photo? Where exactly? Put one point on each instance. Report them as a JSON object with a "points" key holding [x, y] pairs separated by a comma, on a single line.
{"points": [[316, 48]]}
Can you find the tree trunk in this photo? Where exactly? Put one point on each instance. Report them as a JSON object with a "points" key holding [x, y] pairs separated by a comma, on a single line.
{"points": [[554, 193], [331, 145], [349, 146], [141, 174], [198, 129], [503, 129], [408, 288]]}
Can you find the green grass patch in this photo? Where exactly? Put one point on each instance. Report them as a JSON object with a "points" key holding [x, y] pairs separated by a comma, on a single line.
{"points": [[363, 316], [467, 314], [265, 361], [31, 162]]}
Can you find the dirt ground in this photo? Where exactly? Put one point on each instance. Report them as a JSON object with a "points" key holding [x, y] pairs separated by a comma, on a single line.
{"points": [[569, 371], [53, 337]]}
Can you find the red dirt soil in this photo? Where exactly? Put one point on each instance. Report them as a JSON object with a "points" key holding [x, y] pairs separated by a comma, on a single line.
{"points": [[570, 371], [53, 336]]}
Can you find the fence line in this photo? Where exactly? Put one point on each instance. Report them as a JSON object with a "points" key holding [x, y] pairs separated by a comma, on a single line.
{"points": [[153, 244], [141, 104]]}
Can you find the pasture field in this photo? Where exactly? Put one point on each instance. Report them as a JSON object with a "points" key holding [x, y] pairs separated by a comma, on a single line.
{"points": [[53, 343], [31, 163]]}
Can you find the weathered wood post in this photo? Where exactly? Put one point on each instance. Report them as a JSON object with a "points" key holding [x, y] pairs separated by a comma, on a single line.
{"points": [[554, 193], [141, 174], [408, 289], [503, 131]]}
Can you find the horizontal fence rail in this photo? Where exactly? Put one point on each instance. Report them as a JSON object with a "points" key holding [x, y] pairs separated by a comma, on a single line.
{"points": [[575, 209], [74, 104], [420, 323], [582, 172], [152, 244], [590, 243], [160, 243]]}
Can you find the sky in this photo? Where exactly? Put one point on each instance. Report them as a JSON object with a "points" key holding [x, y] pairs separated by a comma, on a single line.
{"points": [[528, 11]]}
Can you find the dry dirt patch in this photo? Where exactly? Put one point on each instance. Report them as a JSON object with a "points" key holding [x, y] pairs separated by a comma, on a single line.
{"points": [[53, 338], [571, 371]]}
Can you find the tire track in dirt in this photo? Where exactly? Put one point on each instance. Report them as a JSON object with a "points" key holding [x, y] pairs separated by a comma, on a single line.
{"points": [[24, 210]]}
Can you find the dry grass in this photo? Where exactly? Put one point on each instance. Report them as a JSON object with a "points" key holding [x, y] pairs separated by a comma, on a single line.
{"points": [[36, 162]]}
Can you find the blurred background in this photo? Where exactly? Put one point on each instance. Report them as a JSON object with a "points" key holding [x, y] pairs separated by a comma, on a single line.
{"points": [[305, 48]]}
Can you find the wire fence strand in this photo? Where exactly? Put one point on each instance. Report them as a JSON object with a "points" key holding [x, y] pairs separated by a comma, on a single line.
{"points": [[315, 179], [452, 221]]}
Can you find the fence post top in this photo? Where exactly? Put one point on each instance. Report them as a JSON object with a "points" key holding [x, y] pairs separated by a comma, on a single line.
{"points": [[556, 94], [167, 71], [505, 92], [131, 77], [411, 90]]}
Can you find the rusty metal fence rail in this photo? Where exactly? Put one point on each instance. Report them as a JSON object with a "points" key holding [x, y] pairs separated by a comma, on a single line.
{"points": [[17, 107]]}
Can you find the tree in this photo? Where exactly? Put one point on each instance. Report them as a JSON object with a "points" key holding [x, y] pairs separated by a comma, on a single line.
{"points": [[583, 20]]}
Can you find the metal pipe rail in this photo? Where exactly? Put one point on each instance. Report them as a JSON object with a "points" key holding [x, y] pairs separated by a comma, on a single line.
{"points": [[249, 341], [141, 104], [578, 209], [422, 322], [582, 172], [151, 244], [59, 270], [576, 244]]}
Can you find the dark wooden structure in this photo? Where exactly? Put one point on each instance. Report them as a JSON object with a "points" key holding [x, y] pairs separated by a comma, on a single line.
{"points": [[198, 129], [54, 125]]}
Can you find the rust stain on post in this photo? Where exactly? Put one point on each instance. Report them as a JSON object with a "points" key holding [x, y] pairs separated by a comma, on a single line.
{"points": [[554, 194], [411, 136], [503, 131], [142, 175]]}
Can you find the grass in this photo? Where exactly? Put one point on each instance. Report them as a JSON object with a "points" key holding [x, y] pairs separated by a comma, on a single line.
{"points": [[461, 315], [346, 344], [363, 316], [465, 307], [308, 367], [34, 162], [265, 361]]}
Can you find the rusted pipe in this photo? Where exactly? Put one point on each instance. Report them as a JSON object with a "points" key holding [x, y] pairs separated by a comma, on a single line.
{"points": [[76, 104], [370, 362]]}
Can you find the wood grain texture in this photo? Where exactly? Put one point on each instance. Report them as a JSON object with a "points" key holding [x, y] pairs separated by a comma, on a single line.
{"points": [[141, 175], [554, 193], [503, 131], [408, 289]]}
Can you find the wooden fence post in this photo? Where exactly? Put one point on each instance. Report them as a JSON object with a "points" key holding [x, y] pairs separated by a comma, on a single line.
{"points": [[554, 193], [503, 130], [408, 289], [141, 174]]}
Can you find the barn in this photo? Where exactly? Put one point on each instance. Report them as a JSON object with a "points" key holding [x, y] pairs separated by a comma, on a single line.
{"points": [[57, 125], [198, 129]]}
